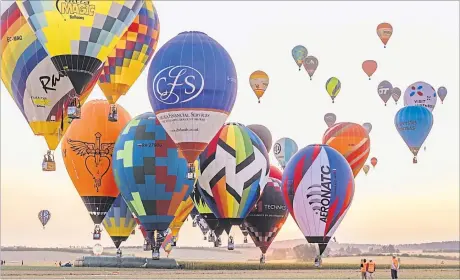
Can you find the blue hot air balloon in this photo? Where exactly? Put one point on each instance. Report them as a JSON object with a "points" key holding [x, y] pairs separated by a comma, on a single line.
{"points": [[44, 216], [192, 86], [414, 124]]}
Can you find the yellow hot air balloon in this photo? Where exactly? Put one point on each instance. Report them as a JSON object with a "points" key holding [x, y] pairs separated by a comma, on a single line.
{"points": [[333, 86], [180, 216], [259, 82]]}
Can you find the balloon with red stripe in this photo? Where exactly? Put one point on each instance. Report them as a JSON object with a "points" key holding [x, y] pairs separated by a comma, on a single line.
{"points": [[318, 188]]}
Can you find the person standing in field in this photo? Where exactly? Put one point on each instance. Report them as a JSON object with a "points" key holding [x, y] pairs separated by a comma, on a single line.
{"points": [[370, 269], [363, 269], [394, 268]]}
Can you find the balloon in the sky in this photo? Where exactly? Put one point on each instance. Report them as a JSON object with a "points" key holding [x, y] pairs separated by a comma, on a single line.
{"points": [[366, 168], [119, 221], [150, 173], [180, 216], [44, 216], [284, 149], [414, 124], [420, 94], [98, 249], [368, 127], [374, 161], [352, 141], [333, 86], [369, 67], [259, 81], [442, 93], [234, 170], [310, 64], [131, 54], [87, 151], [330, 119], [192, 86], [299, 53], [384, 31], [385, 90], [318, 188], [396, 94], [79, 35], [264, 134]]}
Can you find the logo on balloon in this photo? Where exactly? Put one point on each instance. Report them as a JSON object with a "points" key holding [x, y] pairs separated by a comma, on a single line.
{"points": [[177, 84], [277, 148], [383, 91]]}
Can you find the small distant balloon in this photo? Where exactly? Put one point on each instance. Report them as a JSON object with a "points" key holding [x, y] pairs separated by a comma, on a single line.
{"points": [[98, 249], [396, 94], [259, 82], [420, 94], [368, 127], [384, 90], [299, 53], [330, 119], [369, 67], [374, 161], [442, 93], [310, 64], [264, 134], [333, 86], [366, 169], [384, 31]]}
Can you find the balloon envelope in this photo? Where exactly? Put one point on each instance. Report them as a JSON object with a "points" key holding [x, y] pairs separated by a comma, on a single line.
{"points": [[264, 134], [368, 127], [442, 93], [330, 119], [205, 212], [366, 169], [119, 221], [369, 67], [44, 216], [333, 86], [181, 215], [374, 161], [384, 31], [420, 94], [284, 149], [299, 53], [384, 89], [396, 94], [310, 64], [259, 81]]}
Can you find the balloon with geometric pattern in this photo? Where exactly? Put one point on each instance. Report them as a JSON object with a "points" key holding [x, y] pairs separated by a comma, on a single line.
{"points": [[299, 53], [180, 216], [119, 221], [44, 216]]}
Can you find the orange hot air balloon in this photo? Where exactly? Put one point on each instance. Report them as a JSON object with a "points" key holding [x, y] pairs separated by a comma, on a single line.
{"points": [[87, 151], [369, 67], [384, 31], [374, 161], [352, 141]]}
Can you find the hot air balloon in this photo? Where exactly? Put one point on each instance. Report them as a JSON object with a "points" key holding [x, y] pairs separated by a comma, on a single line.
{"points": [[151, 175], [330, 119], [259, 81], [132, 53], [191, 112], [299, 53], [119, 221], [420, 94], [368, 127], [374, 161], [333, 86], [98, 249], [318, 188], [79, 35], [384, 31], [87, 153], [369, 67], [284, 149], [366, 168], [396, 94], [180, 216], [44, 216], [442, 93], [206, 220], [414, 124], [385, 90], [352, 141], [234, 170], [38, 89], [264, 134], [168, 243], [310, 64]]}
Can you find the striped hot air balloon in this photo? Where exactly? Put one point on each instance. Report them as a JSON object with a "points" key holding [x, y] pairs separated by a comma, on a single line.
{"points": [[333, 86]]}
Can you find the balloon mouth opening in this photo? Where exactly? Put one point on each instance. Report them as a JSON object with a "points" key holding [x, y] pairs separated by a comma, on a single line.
{"points": [[193, 32]]}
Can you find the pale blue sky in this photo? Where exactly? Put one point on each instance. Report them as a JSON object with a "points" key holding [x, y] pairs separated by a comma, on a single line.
{"points": [[398, 202]]}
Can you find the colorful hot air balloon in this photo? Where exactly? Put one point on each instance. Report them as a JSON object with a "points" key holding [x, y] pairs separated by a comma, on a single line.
{"points": [[264, 134], [284, 149], [206, 220], [310, 64], [132, 53], [420, 94], [275, 173], [268, 216], [180, 216], [384, 31], [330, 119], [352, 141], [374, 161], [414, 124], [368, 127], [333, 86], [119, 221], [41, 93], [385, 90], [87, 151], [366, 169], [396, 94], [259, 81], [442, 93], [167, 244], [369, 67], [234, 170], [79, 35], [44, 216], [192, 90], [150, 173], [318, 188], [299, 53]]}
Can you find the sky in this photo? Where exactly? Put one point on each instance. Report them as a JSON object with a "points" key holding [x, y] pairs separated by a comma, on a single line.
{"points": [[398, 202]]}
